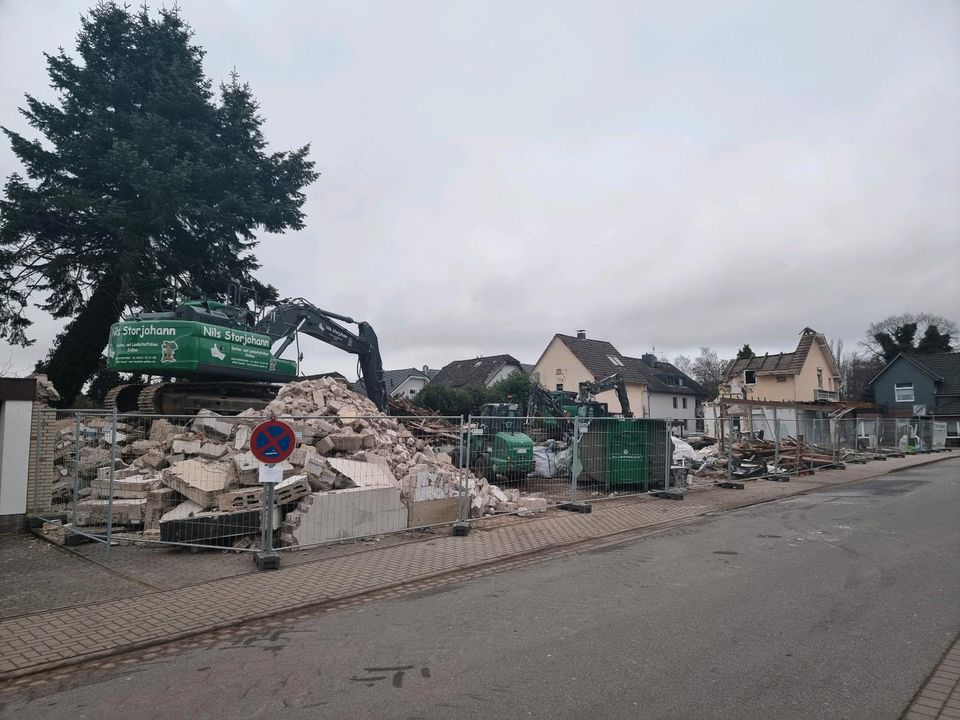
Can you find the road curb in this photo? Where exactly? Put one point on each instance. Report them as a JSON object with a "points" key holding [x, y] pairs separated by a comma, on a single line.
{"points": [[613, 537]]}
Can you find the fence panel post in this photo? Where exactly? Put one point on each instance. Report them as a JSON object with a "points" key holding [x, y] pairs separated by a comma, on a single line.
{"points": [[668, 458], [730, 451], [462, 526], [113, 467], [575, 465], [76, 469]]}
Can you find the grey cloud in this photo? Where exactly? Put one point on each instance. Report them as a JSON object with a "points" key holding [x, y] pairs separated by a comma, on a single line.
{"points": [[668, 176]]}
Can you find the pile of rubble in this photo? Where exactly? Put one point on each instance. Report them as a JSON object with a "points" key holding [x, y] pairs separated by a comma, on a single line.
{"points": [[355, 472]]}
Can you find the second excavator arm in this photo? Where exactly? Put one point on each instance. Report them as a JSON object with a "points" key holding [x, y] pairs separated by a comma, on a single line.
{"points": [[588, 390]]}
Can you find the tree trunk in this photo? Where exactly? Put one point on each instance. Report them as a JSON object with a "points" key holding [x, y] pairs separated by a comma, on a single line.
{"points": [[80, 346]]}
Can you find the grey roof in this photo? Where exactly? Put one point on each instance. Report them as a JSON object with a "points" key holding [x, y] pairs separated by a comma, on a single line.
{"points": [[946, 367], [942, 367], [790, 363], [665, 375], [599, 356], [476, 371], [395, 378], [951, 407]]}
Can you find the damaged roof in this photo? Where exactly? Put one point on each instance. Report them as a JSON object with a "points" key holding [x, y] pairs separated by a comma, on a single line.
{"points": [[790, 363], [476, 371]]}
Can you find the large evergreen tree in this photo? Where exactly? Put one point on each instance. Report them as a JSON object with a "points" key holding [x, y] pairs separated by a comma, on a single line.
{"points": [[898, 333], [144, 177]]}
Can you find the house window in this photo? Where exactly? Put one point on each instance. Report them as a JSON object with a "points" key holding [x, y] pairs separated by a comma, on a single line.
{"points": [[413, 392], [953, 428], [560, 387], [781, 378], [615, 360], [820, 378], [684, 403], [749, 377], [674, 402], [679, 381], [903, 392]]}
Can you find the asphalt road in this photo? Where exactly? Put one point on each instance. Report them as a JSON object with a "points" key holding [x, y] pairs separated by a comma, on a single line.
{"points": [[830, 605]]}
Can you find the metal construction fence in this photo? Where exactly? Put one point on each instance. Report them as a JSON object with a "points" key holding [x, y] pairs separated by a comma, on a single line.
{"points": [[192, 480]]}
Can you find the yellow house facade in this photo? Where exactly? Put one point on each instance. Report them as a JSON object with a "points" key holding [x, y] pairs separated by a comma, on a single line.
{"points": [[560, 369]]}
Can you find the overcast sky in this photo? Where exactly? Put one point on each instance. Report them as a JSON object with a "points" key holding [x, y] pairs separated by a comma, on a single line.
{"points": [[668, 175]]}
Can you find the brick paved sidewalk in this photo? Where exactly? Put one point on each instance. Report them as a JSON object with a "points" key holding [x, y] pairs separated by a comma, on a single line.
{"points": [[45, 640], [940, 697]]}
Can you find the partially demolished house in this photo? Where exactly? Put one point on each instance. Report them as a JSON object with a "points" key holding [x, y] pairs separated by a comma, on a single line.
{"points": [[801, 388]]}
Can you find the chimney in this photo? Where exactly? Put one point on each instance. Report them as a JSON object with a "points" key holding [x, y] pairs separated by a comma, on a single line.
{"points": [[426, 369], [581, 334], [649, 359]]}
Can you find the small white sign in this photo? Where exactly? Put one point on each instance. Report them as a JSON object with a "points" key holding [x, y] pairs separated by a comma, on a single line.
{"points": [[919, 410], [271, 472]]}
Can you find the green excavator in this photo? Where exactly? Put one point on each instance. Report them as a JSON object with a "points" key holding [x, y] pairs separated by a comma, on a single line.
{"points": [[217, 356]]}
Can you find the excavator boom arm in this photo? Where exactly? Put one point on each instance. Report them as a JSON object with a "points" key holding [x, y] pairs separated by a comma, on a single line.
{"points": [[613, 382], [299, 316]]}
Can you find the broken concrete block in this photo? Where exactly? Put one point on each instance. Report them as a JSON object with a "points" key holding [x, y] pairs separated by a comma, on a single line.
{"points": [[137, 486], [198, 481], [188, 508], [91, 459], [323, 427], [346, 442], [186, 447], [286, 492], [154, 459], [210, 425], [124, 512], [319, 399], [364, 474], [162, 431], [332, 408], [301, 454], [142, 447], [247, 467], [349, 513], [325, 445], [159, 501], [242, 440], [368, 439], [120, 469], [213, 451]]}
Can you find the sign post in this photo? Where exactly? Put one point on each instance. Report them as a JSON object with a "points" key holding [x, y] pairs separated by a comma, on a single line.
{"points": [[271, 443]]}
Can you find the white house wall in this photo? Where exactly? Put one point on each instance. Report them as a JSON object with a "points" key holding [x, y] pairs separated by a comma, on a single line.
{"points": [[15, 416], [503, 373], [661, 407]]}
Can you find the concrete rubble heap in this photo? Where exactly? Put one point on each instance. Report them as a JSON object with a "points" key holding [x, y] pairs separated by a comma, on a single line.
{"points": [[355, 471]]}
